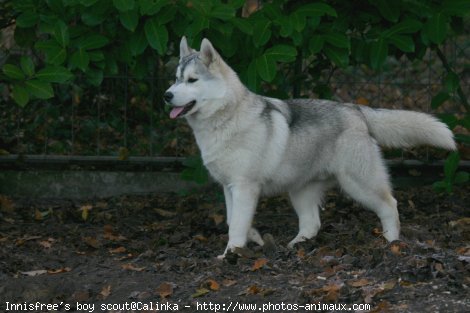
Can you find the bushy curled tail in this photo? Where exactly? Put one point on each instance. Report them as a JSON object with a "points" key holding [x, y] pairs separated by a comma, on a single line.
{"points": [[402, 129]]}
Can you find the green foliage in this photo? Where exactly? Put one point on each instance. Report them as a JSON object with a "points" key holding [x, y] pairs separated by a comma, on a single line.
{"points": [[451, 174], [99, 38], [195, 170], [83, 41], [94, 39]]}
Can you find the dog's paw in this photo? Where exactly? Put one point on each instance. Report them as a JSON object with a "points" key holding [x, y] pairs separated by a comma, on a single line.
{"points": [[226, 252], [299, 238], [231, 256], [230, 249], [254, 236]]}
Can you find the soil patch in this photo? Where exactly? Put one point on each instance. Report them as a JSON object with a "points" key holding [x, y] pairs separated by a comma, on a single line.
{"points": [[158, 253]]}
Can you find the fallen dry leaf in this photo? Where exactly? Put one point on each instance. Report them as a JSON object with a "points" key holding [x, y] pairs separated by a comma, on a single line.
{"points": [[9, 220], [164, 290], [92, 242], [382, 307], [439, 267], [388, 285], [118, 250], [81, 296], [108, 228], [362, 101], [105, 292], [228, 282], [259, 263], [217, 218], [6, 204], [359, 282], [328, 272], [34, 273], [213, 285], [332, 291], [200, 292], [125, 257], [405, 283], [109, 234], [38, 216], [85, 210], [377, 232], [369, 292], [460, 222], [463, 250], [21, 241], [397, 248], [200, 238], [257, 290], [47, 244], [165, 213], [132, 267], [60, 270], [253, 290]]}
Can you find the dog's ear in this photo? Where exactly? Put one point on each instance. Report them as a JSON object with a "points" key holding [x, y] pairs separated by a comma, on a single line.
{"points": [[184, 48], [208, 53]]}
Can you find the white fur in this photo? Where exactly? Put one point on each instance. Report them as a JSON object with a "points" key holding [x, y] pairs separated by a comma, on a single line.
{"points": [[392, 129], [254, 145]]}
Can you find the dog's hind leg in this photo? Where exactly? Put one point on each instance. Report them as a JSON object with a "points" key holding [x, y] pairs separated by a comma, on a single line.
{"points": [[362, 174], [306, 202], [379, 201]]}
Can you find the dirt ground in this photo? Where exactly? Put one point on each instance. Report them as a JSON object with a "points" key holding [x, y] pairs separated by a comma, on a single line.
{"points": [[158, 253]]}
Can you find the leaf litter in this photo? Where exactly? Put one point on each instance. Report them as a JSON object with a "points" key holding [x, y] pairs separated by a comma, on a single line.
{"points": [[163, 247]]}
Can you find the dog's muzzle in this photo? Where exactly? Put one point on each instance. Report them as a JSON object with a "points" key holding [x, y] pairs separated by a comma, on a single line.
{"points": [[168, 96], [178, 111]]}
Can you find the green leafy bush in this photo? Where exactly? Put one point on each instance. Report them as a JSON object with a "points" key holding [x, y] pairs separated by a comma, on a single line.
{"points": [[452, 175], [70, 39], [82, 41]]}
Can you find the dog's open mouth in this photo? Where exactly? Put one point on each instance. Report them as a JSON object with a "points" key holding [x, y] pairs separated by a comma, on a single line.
{"points": [[182, 110]]}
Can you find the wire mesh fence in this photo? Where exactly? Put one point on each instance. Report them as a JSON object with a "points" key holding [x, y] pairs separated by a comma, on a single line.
{"points": [[125, 116]]}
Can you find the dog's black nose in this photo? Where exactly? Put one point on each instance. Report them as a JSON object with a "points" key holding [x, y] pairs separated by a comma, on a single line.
{"points": [[168, 96]]}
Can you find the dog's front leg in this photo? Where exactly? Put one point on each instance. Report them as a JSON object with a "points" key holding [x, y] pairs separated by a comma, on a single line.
{"points": [[253, 234], [228, 203], [244, 198]]}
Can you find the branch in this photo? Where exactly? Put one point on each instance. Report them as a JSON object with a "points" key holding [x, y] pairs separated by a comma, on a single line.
{"points": [[446, 65]]}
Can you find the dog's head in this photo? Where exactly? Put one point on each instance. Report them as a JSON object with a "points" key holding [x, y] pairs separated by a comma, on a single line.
{"points": [[201, 82]]}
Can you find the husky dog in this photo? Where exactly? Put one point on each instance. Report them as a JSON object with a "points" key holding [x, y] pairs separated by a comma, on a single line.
{"points": [[255, 145]]}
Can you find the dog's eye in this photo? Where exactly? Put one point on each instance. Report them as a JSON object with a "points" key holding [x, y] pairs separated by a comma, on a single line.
{"points": [[192, 80]]}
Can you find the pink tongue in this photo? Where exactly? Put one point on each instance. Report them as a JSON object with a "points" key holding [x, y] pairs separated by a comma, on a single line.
{"points": [[176, 111]]}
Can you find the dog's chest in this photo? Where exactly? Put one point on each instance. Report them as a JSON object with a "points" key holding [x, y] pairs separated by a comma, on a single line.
{"points": [[225, 156]]}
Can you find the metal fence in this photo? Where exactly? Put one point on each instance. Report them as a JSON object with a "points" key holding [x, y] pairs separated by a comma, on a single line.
{"points": [[126, 117]]}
